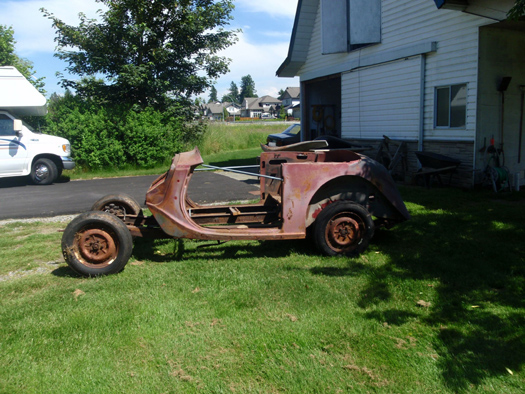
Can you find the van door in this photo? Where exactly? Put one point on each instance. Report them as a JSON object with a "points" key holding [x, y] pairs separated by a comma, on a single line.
{"points": [[13, 152]]}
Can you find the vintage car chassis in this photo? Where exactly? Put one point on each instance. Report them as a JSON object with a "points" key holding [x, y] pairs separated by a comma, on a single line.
{"points": [[339, 196]]}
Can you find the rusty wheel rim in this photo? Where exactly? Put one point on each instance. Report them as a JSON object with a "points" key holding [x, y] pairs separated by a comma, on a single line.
{"points": [[115, 209], [96, 247], [344, 232]]}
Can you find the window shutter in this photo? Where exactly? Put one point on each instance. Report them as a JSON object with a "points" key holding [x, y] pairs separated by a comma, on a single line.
{"points": [[334, 22], [365, 22]]}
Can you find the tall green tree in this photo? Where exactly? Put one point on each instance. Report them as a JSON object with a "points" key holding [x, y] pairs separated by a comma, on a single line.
{"points": [[146, 52], [247, 88], [233, 94], [8, 57], [213, 95]]}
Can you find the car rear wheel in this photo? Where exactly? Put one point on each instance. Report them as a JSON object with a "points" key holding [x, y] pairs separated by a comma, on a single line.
{"points": [[96, 243], [343, 228], [118, 205]]}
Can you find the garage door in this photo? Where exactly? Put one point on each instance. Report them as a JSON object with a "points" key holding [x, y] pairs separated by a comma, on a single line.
{"points": [[382, 100]]}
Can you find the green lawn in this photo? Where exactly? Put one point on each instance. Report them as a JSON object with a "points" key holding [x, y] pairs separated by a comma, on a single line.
{"points": [[435, 305]]}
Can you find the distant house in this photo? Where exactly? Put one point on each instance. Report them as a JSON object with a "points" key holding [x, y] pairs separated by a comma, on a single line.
{"points": [[215, 111], [291, 99], [255, 107], [445, 76], [233, 109], [292, 95]]}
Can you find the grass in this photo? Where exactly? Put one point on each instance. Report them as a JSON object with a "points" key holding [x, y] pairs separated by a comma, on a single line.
{"points": [[434, 305], [223, 144]]}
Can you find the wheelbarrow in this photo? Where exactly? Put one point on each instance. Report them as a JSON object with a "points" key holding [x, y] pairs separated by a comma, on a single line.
{"points": [[433, 165]]}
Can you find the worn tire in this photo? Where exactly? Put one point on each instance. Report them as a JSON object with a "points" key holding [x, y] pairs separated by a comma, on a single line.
{"points": [[43, 172], [117, 204], [96, 243], [343, 228]]}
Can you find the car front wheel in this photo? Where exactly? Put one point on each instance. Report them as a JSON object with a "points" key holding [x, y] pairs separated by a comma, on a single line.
{"points": [[96, 243], [44, 172]]}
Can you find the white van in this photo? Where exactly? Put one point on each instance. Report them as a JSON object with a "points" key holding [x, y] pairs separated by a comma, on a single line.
{"points": [[23, 151]]}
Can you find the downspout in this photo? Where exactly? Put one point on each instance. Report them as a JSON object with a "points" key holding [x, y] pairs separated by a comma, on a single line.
{"points": [[304, 113], [422, 103]]}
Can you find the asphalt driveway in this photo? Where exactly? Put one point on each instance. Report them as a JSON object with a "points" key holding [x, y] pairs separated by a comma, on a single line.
{"points": [[20, 199]]}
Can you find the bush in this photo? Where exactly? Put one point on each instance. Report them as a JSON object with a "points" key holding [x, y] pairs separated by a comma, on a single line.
{"points": [[114, 137]]}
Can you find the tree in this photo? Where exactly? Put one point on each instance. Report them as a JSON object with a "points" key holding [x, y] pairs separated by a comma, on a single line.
{"points": [[199, 101], [8, 57], [233, 94], [281, 93], [247, 88], [213, 95], [146, 52], [517, 10]]}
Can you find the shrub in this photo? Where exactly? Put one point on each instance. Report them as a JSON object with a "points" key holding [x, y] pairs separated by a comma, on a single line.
{"points": [[116, 136]]}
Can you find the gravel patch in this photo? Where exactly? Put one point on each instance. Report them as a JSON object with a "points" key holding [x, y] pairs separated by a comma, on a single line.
{"points": [[21, 273], [52, 219]]}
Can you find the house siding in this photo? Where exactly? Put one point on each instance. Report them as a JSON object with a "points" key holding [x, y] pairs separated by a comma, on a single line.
{"points": [[404, 25], [377, 101]]}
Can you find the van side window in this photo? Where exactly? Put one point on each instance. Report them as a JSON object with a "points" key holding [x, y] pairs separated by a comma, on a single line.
{"points": [[6, 126]]}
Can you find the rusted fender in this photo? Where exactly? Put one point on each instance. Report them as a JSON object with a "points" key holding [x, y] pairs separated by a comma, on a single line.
{"points": [[303, 180], [378, 175]]}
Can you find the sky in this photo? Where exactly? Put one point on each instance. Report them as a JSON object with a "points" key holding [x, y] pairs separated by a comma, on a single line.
{"points": [[260, 50]]}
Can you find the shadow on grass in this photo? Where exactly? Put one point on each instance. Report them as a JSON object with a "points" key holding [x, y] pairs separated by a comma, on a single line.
{"points": [[175, 250], [65, 272], [472, 245]]}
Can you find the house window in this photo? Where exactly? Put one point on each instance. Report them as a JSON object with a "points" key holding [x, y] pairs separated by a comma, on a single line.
{"points": [[451, 106]]}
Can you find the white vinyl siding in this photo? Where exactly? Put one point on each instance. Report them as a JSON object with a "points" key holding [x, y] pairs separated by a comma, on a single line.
{"points": [[403, 25], [382, 100]]}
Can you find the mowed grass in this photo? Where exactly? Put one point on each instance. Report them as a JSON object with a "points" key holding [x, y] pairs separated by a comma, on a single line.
{"points": [[435, 305]]}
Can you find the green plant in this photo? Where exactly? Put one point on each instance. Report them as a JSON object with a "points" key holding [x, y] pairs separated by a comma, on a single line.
{"points": [[145, 53], [113, 137]]}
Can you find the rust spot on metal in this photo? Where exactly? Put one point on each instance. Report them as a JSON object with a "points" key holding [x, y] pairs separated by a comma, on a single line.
{"points": [[96, 246]]}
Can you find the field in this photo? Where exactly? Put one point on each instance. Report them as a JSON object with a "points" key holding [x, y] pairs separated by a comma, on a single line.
{"points": [[435, 305]]}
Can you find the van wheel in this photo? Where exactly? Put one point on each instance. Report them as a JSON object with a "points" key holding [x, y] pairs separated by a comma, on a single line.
{"points": [[96, 243], [43, 172], [343, 228], [117, 204]]}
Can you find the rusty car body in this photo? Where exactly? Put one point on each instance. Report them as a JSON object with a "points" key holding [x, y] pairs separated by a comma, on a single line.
{"points": [[338, 196]]}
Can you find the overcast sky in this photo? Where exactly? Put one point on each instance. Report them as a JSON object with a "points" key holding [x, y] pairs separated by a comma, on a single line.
{"points": [[260, 50]]}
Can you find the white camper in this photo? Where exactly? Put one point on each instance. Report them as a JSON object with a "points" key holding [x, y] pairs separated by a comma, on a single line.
{"points": [[23, 151]]}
